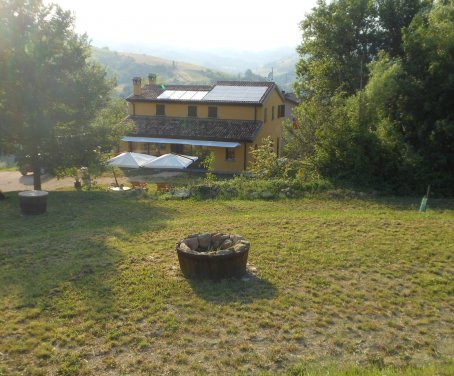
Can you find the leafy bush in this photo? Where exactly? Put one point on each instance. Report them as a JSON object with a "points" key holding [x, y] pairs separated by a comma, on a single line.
{"points": [[265, 163], [247, 188]]}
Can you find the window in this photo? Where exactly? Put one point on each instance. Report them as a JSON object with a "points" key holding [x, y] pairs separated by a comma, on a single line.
{"points": [[192, 111], [272, 113], [212, 112], [281, 110], [160, 109], [229, 154], [265, 115]]}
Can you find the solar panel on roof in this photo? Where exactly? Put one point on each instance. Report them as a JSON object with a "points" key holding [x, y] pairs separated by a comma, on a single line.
{"points": [[188, 95], [166, 94], [199, 95], [182, 95], [177, 94], [236, 93]]}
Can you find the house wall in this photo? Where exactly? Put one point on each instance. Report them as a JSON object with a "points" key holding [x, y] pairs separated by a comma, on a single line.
{"points": [[181, 110], [221, 164], [271, 127]]}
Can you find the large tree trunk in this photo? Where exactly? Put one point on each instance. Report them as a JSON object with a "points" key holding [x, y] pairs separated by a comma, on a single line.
{"points": [[36, 174], [37, 178]]}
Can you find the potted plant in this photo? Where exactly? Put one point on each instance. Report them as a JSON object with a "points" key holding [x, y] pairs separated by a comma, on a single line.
{"points": [[75, 173]]}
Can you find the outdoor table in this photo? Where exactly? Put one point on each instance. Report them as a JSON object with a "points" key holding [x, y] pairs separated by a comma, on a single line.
{"points": [[33, 202]]}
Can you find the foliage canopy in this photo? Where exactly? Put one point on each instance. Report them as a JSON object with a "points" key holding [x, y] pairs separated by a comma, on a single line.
{"points": [[376, 80], [50, 90]]}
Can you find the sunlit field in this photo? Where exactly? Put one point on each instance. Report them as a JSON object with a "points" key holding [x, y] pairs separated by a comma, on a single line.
{"points": [[353, 287]]}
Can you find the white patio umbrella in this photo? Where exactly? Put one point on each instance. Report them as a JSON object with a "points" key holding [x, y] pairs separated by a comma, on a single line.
{"points": [[171, 161], [129, 160]]}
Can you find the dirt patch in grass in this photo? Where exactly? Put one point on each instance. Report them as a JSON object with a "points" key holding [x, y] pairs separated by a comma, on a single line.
{"points": [[94, 287]]}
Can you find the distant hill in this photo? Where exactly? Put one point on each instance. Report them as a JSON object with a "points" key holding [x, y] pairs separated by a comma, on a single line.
{"points": [[283, 71], [126, 65], [228, 60]]}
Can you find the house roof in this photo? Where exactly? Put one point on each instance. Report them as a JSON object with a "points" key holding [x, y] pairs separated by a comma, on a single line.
{"points": [[195, 128], [229, 92], [291, 97]]}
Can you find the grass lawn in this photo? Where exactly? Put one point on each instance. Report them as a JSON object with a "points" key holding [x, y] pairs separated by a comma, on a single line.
{"points": [[5, 168], [347, 287]]}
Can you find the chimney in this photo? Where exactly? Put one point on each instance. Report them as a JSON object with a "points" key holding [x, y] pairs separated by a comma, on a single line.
{"points": [[137, 85], [151, 78]]}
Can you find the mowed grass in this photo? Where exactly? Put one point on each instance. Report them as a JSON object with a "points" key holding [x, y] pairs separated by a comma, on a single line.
{"points": [[93, 287]]}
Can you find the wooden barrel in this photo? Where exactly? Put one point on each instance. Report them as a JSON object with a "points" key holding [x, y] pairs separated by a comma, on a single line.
{"points": [[33, 202]]}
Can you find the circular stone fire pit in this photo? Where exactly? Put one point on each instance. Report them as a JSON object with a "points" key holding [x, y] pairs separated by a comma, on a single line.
{"points": [[213, 255]]}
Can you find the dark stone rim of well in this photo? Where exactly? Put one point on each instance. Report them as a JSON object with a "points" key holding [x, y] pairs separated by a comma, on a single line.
{"points": [[207, 255], [239, 245]]}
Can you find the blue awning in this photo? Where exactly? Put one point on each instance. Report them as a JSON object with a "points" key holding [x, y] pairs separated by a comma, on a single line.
{"points": [[219, 144]]}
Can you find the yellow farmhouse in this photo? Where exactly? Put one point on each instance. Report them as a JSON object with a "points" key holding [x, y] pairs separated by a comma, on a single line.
{"points": [[227, 119]]}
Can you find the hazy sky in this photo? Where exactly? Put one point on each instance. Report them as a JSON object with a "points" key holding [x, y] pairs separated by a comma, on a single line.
{"points": [[193, 24]]}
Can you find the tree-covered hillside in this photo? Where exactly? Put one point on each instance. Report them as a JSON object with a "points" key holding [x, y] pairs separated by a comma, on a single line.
{"points": [[125, 66]]}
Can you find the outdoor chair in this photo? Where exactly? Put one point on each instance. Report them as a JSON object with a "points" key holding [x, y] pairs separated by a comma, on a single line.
{"points": [[163, 187], [139, 185]]}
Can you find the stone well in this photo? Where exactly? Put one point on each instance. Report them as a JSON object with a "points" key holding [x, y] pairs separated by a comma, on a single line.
{"points": [[213, 255]]}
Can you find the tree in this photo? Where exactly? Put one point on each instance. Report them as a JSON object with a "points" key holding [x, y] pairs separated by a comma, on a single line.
{"points": [[251, 76], [208, 164], [418, 103], [392, 125], [50, 91], [94, 147], [393, 17], [340, 38], [336, 141], [338, 41], [109, 125]]}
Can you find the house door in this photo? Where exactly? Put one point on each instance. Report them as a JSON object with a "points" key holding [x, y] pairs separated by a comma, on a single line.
{"points": [[176, 148]]}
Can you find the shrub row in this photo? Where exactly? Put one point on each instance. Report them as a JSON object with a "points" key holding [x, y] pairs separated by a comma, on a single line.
{"points": [[245, 188]]}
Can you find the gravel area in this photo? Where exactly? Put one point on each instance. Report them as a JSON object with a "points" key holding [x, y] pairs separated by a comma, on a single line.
{"points": [[14, 181], [11, 181]]}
